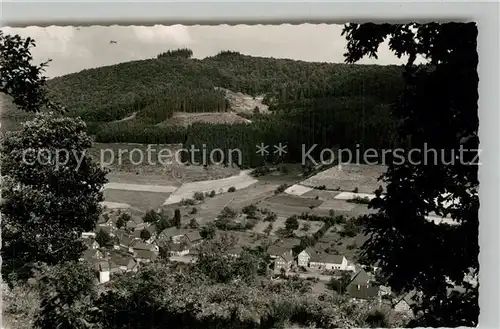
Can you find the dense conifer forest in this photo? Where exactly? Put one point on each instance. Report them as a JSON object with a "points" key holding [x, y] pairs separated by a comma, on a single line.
{"points": [[330, 105]]}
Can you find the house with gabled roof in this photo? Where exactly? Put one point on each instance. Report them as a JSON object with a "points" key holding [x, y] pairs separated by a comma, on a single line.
{"points": [[177, 249], [139, 245], [275, 251], [135, 223], [404, 304], [362, 278], [283, 261], [104, 271], [106, 229], [122, 262], [145, 256], [193, 236], [360, 292], [90, 254], [327, 262], [178, 235], [91, 243], [304, 257]]}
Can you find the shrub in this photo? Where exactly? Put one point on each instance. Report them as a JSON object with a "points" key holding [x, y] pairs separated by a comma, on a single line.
{"points": [[193, 223], [260, 171], [250, 210], [268, 229], [231, 189], [187, 202], [193, 211], [227, 213], [250, 223], [271, 217], [199, 196], [212, 193], [291, 223], [150, 217], [359, 200], [351, 246], [281, 188], [145, 234], [355, 190]]}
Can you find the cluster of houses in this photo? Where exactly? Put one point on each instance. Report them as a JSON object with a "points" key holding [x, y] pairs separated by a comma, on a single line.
{"points": [[127, 250], [361, 286]]}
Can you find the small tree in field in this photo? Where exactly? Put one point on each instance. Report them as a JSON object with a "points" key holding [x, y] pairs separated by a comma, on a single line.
{"points": [[145, 235], [291, 223], [177, 218], [193, 223]]}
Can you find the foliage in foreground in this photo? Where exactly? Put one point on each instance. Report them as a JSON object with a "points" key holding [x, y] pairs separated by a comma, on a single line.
{"points": [[439, 111], [49, 197]]}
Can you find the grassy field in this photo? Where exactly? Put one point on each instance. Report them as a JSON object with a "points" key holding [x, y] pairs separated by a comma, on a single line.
{"points": [[142, 200], [332, 241]]}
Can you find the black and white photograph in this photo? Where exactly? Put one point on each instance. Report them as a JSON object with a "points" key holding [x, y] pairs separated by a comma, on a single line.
{"points": [[240, 176]]}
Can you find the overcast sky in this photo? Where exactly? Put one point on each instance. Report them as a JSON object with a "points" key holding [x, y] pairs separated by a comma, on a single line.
{"points": [[73, 49]]}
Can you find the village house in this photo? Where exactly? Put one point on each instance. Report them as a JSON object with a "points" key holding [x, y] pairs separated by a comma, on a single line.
{"points": [[126, 242], [177, 249], [104, 272], [105, 220], [235, 251], [283, 261], [404, 304], [360, 288], [180, 235], [121, 262], [87, 235], [362, 278], [362, 293], [145, 256], [135, 223], [91, 243], [90, 254], [193, 236], [281, 256], [328, 262], [106, 229], [139, 245], [304, 257], [276, 250]]}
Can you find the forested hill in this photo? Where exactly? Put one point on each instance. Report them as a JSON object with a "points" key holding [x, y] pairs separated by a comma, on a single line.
{"points": [[337, 104], [113, 92]]}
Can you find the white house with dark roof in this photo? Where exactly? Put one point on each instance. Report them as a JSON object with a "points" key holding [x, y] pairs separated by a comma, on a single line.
{"points": [[104, 271], [328, 262]]}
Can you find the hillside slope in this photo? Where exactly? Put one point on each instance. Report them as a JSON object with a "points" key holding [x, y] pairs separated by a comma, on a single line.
{"points": [[213, 102], [155, 88]]}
